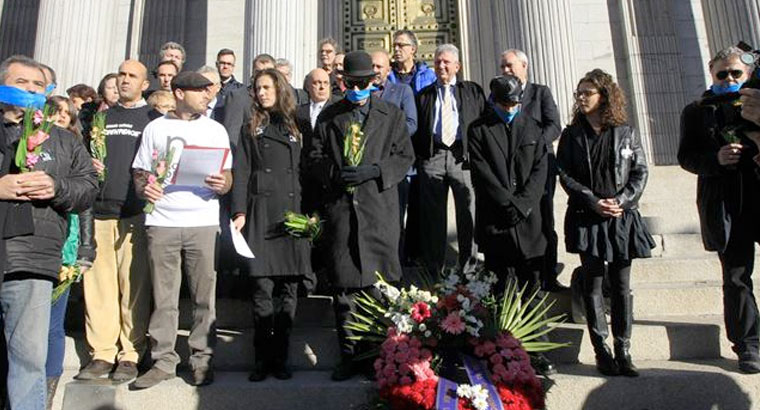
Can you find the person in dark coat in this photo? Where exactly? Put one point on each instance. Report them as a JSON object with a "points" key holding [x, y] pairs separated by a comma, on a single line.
{"points": [[266, 186], [603, 169], [727, 199], [361, 241], [508, 157], [237, 104]]}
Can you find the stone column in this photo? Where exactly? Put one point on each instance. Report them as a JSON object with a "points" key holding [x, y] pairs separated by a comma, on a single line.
{"points": [[729, 21], [226, 20], [330, 22], [285, 29], [81, 40], [18, 25]]}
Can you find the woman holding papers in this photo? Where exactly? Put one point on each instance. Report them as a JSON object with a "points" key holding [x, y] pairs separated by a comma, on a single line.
{"points": [[266, 185]]}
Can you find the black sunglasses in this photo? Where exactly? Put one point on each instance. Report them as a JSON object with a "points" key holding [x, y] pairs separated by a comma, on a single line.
{"points": [[736, 74], [362, 83]]}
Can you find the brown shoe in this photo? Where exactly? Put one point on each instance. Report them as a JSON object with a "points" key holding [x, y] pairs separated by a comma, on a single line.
{"points": [[125, 371], [203, 377], [96, 369], [153, 377]]}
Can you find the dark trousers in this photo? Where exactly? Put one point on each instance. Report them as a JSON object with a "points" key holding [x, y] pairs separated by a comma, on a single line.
{"points": [[619, 274], [273, 322], [344, 305], [739, 305], [549, 271]]}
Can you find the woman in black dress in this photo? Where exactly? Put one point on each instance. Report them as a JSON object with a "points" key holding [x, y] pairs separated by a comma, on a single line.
{"points": [[266, 185], [604, 171]]}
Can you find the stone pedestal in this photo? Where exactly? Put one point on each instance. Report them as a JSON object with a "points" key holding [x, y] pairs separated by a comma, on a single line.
{"points": [[285, 29], [82, 40]]}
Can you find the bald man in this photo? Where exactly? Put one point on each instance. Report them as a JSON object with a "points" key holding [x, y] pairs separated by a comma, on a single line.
{"points": [[118, 291]]}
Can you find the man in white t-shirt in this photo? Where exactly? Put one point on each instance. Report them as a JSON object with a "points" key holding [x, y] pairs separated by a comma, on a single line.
{"points": [[183, 225]]}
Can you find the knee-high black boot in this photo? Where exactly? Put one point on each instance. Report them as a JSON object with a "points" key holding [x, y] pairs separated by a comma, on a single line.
{"points": [[262, 344], [281, 346], [622, 325], [597, 330]]}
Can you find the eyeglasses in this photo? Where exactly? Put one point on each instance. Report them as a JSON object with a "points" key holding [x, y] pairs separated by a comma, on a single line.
{"points": [[584, 93], [735, 74], [225, 63], [362, 83], [401, 45]]}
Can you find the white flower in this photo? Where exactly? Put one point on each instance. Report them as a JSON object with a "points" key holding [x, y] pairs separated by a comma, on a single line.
{"points": [[403, 322], [477, 395], [391, 292], [451, 281], [422, 327], [428, 333]]}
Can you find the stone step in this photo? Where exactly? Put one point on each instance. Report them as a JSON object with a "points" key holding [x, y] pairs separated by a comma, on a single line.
{"points": [[672, 385], [679, 299]]}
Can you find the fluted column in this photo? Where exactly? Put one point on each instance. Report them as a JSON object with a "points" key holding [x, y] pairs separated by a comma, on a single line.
{"points": [[330, 23], [18, 25], [285, 29], [729, 21], [81, 40]]}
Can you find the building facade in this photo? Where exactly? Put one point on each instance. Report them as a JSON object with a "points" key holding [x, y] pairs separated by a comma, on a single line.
{"points": [[656, 49]]}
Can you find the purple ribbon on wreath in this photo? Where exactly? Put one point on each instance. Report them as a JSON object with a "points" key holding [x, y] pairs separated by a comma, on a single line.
{"points": [[446, 394]]}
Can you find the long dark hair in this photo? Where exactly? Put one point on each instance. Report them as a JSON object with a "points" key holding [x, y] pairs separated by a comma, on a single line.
{"points": [[612, 107], [73, 113], [284, 106]]}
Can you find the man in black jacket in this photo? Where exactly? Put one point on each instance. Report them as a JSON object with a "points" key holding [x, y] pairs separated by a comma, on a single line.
{"points": [[445, 110], [537, 101], [728, 197], [225, 63], [64, 181]]}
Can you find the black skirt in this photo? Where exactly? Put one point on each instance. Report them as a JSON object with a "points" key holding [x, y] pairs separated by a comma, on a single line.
{"points": [[610, 239]]}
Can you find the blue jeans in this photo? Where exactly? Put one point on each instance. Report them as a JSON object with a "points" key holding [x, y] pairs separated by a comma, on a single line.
{"points": [[25, 309], [57, 337]]}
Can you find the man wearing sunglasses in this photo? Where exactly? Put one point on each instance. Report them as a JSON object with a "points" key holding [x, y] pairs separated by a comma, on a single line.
{"points": [[360, 202], [728, 199]]}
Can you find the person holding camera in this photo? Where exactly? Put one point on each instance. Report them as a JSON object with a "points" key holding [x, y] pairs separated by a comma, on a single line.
{"points": [[750, 104], [603, 169], [728, 196]]}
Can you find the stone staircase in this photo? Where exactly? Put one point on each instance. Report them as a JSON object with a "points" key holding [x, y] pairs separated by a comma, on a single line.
{"points": [[678, 341]]}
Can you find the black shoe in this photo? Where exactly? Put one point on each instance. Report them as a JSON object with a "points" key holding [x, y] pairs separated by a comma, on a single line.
{"points": [[344, 370], [96, 369], [543, 365], [203, 377], [282, 373], [626, 367], [259, 372], [125, 371], [749, 364], [554, 286], [606, 364]]}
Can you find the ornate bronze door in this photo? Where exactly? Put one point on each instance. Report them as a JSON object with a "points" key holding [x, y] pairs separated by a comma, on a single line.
{"points": [[369, 24]]}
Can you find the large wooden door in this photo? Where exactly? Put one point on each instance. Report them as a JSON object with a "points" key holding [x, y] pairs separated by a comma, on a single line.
{"points": [[369, 24]]}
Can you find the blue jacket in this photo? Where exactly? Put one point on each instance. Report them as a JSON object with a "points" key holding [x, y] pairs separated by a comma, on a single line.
{"points": [[422, 77], [402, 97]]}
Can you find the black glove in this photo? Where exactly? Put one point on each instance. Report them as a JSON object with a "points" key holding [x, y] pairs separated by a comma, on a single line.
{"points": [[512, 215], [356, 175]]}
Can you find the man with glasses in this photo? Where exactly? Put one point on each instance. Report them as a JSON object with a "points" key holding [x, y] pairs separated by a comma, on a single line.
{"points": [[360, 200], [406, 70], [537, 101], [728, 197], [225, 64]]}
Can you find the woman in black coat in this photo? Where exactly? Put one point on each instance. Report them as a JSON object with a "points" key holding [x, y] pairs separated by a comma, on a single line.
{"points": [[604, 171], [266, 185]]}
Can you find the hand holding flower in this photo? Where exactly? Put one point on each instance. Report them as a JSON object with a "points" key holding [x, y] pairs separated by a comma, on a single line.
{"points": [[37, 186], [153, 192], [98, 165]]}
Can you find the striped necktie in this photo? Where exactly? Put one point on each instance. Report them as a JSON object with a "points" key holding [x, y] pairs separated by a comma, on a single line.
{"points": [[448, 127]]}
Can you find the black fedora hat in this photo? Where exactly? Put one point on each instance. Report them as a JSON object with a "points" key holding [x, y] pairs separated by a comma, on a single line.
{"points": [[357, 64], [506, 89]]}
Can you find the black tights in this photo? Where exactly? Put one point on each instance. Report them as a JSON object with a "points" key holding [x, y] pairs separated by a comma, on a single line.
{"points": [[618, 272]]}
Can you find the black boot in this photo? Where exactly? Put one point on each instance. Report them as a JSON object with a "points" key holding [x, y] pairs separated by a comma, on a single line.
{"points": [[597, 330], [622, 325], [281, 347], [262, 344]]}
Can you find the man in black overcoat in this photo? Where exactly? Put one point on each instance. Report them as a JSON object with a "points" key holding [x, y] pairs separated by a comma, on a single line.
{"points": [[360, 232], [508, 157]]}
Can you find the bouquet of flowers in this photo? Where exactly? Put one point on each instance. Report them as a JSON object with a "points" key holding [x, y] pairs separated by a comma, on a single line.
{"points": [[302, 226], [160, 167], [98, 141], [353, 147], [456, 345], [37, 125], [67, 276]]}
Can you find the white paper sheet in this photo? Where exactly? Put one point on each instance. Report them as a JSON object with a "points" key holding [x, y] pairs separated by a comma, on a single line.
{"points": [[196, 163], [238, 240]]}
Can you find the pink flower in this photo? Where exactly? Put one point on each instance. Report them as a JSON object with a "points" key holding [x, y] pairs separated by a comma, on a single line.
{"points": [[406, 380], [36, 140], [420, 312], [414, 353], [415, 343], [453, 324], [404, 369], [152, 179], [161, 167], [496, 359], [38, 117], [31, 159], [403, 347], [154, 155], [378, 365], [401, 357], [489, 347]]}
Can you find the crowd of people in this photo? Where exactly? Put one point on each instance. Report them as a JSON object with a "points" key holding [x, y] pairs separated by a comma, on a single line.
{"points": [[418, 131]]}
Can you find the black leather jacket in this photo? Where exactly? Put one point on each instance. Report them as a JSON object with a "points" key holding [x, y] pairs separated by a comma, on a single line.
{"points": [[574, 164]]}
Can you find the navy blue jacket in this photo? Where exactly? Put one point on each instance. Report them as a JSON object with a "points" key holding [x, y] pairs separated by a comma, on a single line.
{"points": [[401, 96]]}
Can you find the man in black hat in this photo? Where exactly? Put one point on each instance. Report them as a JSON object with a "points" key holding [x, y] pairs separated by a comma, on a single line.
{"points": [[182, 228], [360, 201]]}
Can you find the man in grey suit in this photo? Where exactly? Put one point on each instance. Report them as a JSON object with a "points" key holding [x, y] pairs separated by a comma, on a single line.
{"points": [[538, 102]]}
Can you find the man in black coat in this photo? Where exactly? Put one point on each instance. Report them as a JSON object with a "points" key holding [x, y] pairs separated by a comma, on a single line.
{"points": [[508, 156], [728, 199], [360, 200], [225, 64], [537, 101], [445, 110]]}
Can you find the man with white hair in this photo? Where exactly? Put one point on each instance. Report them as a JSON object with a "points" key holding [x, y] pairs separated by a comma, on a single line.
{"points": [[212, 75], [445, 110], [537, 101], [286, 69]]}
